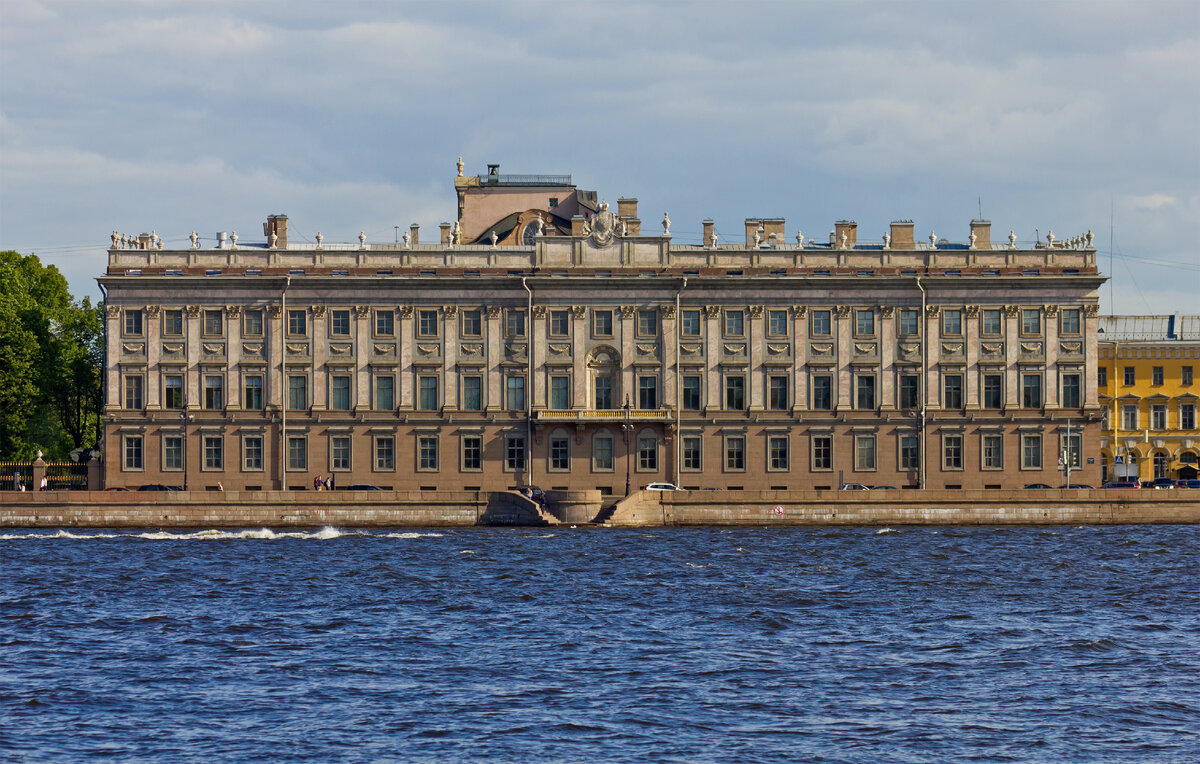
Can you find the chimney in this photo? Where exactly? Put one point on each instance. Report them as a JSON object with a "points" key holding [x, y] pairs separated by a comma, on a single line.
{"points": [[902, 235], [708, 233], [627, 211], [847, 227], [983, 233], [414, 232], [276, 224], [220, 240], [445, 233], [577, 222], [752, 225], [772, 226]]}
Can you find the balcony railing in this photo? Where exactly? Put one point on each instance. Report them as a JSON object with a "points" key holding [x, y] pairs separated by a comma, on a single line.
{"points": [[602, 415], [525, 180]]}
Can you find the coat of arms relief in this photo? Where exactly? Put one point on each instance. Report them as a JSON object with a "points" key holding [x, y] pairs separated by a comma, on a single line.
{"points": [[604, 226]]}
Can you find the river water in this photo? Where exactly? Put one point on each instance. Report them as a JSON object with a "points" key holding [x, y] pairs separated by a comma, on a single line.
{"points": [[856, 645]]}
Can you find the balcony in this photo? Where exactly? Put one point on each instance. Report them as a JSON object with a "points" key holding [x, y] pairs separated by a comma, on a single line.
{"points": [[602, 415]]}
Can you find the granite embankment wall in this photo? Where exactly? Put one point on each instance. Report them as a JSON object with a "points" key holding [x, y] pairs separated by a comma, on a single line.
{"points": [[364, 509], [935, 507]]}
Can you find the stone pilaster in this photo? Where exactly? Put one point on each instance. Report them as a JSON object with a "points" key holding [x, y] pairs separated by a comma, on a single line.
{"points": [[495, 339], [933, 354], [538, 332], [628, 327], [755, 332], [579, 375], [1050, 316], [800, 367], [320, 374], [406, 336], [971, 378], [112, 375], [362, 357], [842, 329], [450, 357], [887, 358], [712, 356], [669, 325], [233, 355], [1012, 354], [153, 326], [1091, 333], [193, 396]]}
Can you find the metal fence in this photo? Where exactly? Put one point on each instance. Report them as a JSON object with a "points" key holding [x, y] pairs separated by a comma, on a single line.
{"points": [[60, 476]]}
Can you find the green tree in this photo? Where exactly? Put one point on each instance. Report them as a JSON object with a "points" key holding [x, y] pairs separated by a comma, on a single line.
{"points": [[75, 387]]}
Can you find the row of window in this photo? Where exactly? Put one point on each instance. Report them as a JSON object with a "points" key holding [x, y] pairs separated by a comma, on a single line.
{"points": [[1185, 418], [471, 391], [1157, 376], [645, 454], [734, 322]]}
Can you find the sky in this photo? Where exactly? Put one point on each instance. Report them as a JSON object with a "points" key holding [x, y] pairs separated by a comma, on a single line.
{"points": [[348, 116]]}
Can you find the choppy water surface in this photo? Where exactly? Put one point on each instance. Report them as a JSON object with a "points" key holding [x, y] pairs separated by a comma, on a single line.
{"points": [[988, 644]]}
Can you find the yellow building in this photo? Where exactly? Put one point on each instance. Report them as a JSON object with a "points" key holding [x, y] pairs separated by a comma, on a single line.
{"points": [[1147, 385]]}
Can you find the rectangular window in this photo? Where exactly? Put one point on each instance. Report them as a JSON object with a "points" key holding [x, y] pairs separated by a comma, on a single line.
{"points": [[864, 391], [252, 323], [822, 452], [602, 453], [133, 323], [133, 392], [1187, 416], [1031, 321], [427, 323], [472, 453], [910, 391], [339, 452], [647, 393], [777, 392], [1102, 376], [214, 452], [1072, 397], [1129, 375], [254, 392], [385, 452], [385, 392], [427, 391], [864, 452], [602, 323], [172, 452], [1185, 375], [472, 393], [992, 323], [604, 392], [952, 452], [173, 323], [647, 453], [514, 453], [909, 323], [691, 452], [864, 323], [297, 392], [735, 393], [952, 322], [735, 323], [133, 452], [252, 452], [339, 393], [689, 324], [777, 452], [1129, 416], [993, 452], [822, 392], [472, 323], [1158, 416], [1031, 451], [993, 391], [1031, 390], [560, 453], [647, 323], [910, 452], [735, 453], [822, 324], [691, 393], [560, 323], [385, 323], [952, 391], [560, 392], [777, 325], [427, 453], [514, 323], [339, 323], [1070, 321], [214, 389], [213, 326], [297, 452], [514, 391], [297, 323], [1156, 375]]}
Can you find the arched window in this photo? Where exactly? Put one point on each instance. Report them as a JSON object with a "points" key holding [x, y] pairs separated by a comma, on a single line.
{"points": [[603, 366]]}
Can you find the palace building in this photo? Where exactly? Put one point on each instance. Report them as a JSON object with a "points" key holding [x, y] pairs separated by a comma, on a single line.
{"points": [[547, 339]]}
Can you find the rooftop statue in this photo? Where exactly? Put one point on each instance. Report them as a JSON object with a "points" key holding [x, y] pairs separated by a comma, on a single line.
{"points": [[194, 238], [320, 239]]}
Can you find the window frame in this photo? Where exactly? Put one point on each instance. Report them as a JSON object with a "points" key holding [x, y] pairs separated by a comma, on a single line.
{"points": [[252, 322], [210, 319], [340, 323], [297, 317], [953, 452], [252, 394], [470, 453], [866, 452], [133, 323], [389, 318], [779, 458], [685, 322], [427, 325], [427, 453], [133, 452], [991, 444], [817, 318], [470, 323], [602, 323], [775, 319], [733, 323], [171, 316], [383, 459], [248, 451], [212, 453], [867, 314], [735, 453], [647, 323]]}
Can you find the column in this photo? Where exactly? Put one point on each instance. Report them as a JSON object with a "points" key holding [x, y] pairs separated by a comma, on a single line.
{"points": [[754, 335], [495, 354], [404, 350], [1050, 315], [887, 357], [362, 358], [628, 353], [1012, 354], [971, 346], [670, 365], [579, 377], [450, 358], [233, 356], [320, 343], [800, 354], [845, 354], [1091, 328], [537, 348], [192, 395], [933, 354], [112, 351], [153, 398], [712, 357]]}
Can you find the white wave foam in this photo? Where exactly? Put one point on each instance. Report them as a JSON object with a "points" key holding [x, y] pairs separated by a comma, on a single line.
{"points": [[58, 535], [412, 535], [886, 531]]}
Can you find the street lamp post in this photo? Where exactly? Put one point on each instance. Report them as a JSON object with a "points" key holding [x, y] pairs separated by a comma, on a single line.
{"points": [[626, 428]]}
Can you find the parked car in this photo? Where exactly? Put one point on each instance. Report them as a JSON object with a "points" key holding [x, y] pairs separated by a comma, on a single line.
{"points": [[1076, 485], [854, 487], [1187, 483], [1122, 484], [116, 488], [1037, 486], [883, 488], [363, 487], [660, 487], [1162, 482], [158, 487]]}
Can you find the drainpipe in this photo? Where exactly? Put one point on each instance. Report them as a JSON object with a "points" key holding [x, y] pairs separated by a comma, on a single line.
{"points": [[283, 390], [528, 384], [924, 390], [678, 386]]}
